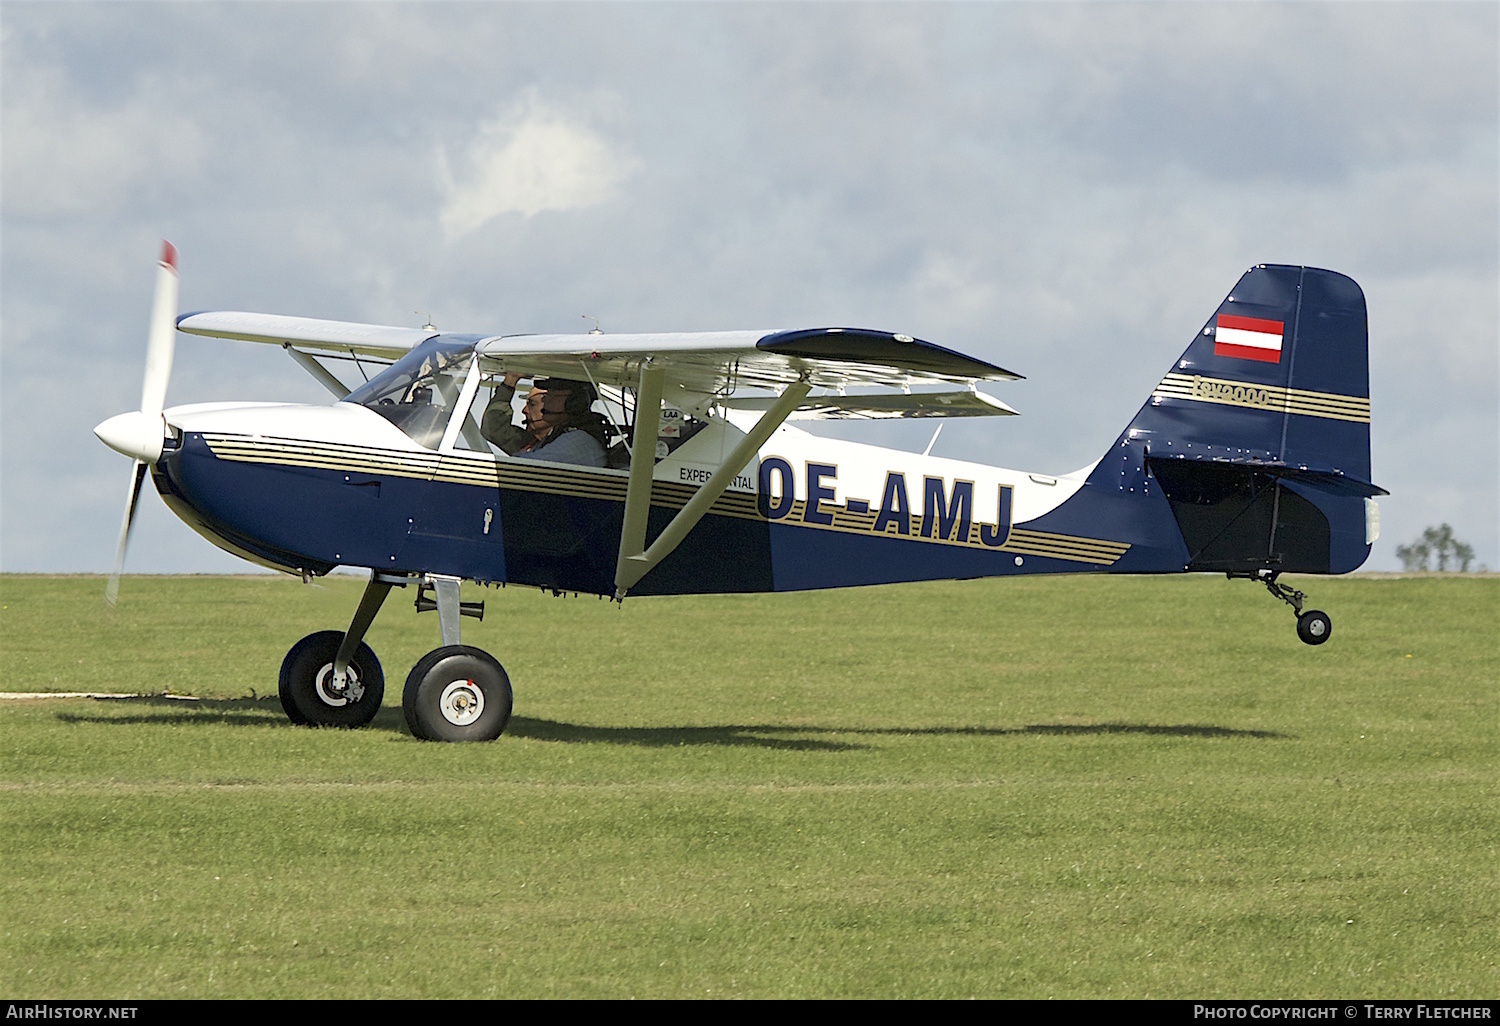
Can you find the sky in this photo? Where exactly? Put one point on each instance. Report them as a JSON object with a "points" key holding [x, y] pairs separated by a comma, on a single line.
{"points": [[1067, 190]]}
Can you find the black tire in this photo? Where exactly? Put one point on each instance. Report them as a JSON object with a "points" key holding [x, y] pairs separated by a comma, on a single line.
{"points": [[284, 690], [1314, 627], [304, 676], [457, 693]]}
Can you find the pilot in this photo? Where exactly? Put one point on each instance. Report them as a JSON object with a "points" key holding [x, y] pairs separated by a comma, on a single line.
{"points": [[558, 423]]}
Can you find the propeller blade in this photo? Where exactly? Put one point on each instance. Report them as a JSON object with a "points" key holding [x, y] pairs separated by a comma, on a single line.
{"points": [[137, 476], [137, 434], [163, 333]]}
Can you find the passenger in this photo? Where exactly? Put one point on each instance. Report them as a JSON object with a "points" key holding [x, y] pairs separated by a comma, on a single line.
{"points": [[558, 422]]}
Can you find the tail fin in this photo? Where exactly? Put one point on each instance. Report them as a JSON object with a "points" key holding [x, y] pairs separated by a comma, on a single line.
{"points": [[1260, 434]]}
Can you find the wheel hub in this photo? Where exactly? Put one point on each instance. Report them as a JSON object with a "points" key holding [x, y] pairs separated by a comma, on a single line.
{"points": [[462, 703], [331, 694]]}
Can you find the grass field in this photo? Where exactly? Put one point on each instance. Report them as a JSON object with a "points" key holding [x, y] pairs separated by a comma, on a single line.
{"points": [[1081, 787]]}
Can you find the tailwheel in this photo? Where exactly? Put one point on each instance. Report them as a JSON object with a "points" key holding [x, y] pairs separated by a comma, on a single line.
{"points": [[457, 693], [1314, 627], [310, 692]]}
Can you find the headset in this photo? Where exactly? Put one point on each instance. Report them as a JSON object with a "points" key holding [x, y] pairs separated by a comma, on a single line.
{"points": [[580, 395]]}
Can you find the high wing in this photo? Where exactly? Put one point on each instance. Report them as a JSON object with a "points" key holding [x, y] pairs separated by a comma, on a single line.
{"points": [[706, 362], [720, 362], [698, 366]]}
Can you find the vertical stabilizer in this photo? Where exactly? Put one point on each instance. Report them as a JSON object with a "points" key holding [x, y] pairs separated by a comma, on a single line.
{"points": [[1280, 373], [1259, 435]]}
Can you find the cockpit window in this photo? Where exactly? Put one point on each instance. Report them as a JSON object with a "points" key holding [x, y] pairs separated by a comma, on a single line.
{"points": [[417, 392]]}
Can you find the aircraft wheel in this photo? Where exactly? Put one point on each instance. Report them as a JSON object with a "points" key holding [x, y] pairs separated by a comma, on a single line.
{"points": [[306, 683], [1314, 627], [457, 693]]}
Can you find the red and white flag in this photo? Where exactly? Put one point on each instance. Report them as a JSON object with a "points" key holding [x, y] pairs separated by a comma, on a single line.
{"points": [[1248, 338]]}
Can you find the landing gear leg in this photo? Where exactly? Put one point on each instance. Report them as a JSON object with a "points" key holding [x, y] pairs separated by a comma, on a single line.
{"points": [[332, 678], [1314, 626], [455, 693]]}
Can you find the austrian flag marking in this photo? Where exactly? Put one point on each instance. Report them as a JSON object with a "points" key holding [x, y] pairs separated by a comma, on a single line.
{"points": [[1248, 338]]}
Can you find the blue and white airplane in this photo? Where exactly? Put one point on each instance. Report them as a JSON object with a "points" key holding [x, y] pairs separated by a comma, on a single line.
{"points": [[1250, 458]]}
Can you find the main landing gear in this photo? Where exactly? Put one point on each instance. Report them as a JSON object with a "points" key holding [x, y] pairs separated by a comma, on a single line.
{"points": [[454, 693], [1313, 626], [312, 693], [457, 693]]}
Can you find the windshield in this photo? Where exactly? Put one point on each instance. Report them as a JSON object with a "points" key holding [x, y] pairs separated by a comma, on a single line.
{"points": [[418, 391]]}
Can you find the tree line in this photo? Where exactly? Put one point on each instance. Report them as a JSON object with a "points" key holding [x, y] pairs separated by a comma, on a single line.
{"points": [[1436, 546]]}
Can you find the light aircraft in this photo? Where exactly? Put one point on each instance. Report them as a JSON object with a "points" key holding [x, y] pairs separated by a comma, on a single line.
{"points": [[1251, 458]]}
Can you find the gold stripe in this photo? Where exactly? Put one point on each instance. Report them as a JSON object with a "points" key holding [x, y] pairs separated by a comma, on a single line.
{"points": [[1021, 541], [1271, 398], [356, 458], [545, 480]]}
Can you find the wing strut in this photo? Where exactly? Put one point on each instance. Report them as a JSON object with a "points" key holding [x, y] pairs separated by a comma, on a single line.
{"points": [[634, 563], [317, 370], [642, 463]]}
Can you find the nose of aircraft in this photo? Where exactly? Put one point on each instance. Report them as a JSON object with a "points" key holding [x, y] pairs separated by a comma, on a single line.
{"points": [[136, 434]]}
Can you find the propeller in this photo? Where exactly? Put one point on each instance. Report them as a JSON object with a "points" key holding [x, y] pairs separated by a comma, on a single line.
{"points": [[140, 434]]}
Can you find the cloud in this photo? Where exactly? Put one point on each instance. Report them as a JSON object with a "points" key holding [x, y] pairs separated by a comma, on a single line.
{"points": [[66, 156], [957, 288], [528, 160]]}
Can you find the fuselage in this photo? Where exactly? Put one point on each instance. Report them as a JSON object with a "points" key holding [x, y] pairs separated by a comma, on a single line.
{"points": [[308, 488]]}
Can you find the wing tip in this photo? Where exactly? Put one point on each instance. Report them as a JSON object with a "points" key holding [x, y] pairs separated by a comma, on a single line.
{"points": [[168, 256]]}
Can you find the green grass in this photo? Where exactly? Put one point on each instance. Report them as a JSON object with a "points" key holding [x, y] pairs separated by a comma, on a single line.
{"points": [[1069, 787]]}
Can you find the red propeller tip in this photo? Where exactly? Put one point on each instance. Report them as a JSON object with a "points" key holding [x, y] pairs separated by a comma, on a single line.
{"points": [[169, 255]]}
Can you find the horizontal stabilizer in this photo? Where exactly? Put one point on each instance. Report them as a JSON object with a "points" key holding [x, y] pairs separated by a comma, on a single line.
{"points": [[1326, 478]]}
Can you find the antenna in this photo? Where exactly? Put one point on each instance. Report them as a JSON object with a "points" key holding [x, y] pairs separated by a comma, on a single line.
{"points": [[429, 326], [595, 330]]}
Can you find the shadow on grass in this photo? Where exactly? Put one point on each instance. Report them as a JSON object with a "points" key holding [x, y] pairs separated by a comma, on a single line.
{"points": [[732, 735], [266, 711], [755, 734], [1175, 730], [260, 711]]}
